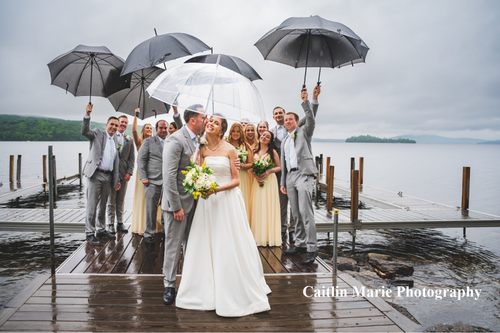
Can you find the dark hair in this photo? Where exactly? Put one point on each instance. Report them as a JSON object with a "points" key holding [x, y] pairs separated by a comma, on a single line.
{"points": [[112, 117], [190, 113], [223, 123], [174, 124], [296, 116], [159, 121], [270, 147], [278, 107]]}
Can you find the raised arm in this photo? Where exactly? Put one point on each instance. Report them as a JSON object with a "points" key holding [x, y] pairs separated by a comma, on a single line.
{"points": [[135, 133], [86, 132], [177, 117]]}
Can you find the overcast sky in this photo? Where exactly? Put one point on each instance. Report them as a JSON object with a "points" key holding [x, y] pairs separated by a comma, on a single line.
{"points": [[433, 66]]}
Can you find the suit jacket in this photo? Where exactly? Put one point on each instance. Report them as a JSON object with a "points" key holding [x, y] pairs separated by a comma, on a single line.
{"points": [[177, 154], [97, 139], [305, 158], [150, 160], [127, 157]]}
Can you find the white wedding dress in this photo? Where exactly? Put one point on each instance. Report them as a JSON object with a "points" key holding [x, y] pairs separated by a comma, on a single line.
{"points": [[222, 269]]}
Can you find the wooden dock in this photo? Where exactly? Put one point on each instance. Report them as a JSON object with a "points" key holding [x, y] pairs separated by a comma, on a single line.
{"points": [[129, 303], [390, 210]]}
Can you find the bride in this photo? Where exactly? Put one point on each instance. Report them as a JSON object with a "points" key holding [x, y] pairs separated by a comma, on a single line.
{"points": [[222, 270]]}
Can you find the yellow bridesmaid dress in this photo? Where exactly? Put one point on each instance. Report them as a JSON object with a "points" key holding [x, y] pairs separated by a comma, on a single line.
{"points": [[266, 213]]}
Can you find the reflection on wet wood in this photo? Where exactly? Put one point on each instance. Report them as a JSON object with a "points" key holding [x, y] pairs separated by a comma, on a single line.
{"points": [[129, 254], [96, 302]]}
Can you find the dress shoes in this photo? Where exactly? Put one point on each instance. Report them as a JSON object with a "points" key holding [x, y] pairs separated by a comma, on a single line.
{"points": [[295, 250], [93, 240], [121, 228], [291, 237], [105, 234], [310, 257], [149, 240], [283, 236], [111, 229], [169, 296]]}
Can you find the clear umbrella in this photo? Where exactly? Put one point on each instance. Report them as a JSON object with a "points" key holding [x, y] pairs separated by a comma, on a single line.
{"points": [[216, 88]]}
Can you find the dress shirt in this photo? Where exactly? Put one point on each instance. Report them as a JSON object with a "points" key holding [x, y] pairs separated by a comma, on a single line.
{"points": [[108, 156], [290, 153], [192, 135]]}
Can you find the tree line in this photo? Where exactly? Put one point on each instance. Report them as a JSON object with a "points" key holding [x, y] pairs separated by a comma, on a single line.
{"points": [[21, 128], [373, 139]]}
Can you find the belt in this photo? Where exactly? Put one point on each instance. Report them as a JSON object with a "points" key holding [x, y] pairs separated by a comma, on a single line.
{"points": [[103, 171], [294, 169]]}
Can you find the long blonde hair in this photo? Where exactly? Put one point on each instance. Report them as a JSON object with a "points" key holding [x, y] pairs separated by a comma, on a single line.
{"points": [[142, 131], [255, 141]]}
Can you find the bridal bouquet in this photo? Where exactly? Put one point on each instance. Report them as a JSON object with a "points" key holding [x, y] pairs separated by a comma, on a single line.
{"points": [[199, 180], [260, 166], [242, 155]]}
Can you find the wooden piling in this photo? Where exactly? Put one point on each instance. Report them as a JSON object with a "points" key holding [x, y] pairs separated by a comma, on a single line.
{"points": [[44, 162], [18, 174], [329, 194], [465, 188], [11, 169], [353, 166], [354, 195], [361, 165], [321, 164], [80, 167], [54, 176]]}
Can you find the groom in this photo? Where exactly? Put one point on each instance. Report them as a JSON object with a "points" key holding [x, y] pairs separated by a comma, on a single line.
{"points": [[177, 205]]}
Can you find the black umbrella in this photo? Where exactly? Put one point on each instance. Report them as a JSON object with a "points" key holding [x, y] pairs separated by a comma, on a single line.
{"points": [[88, 71], [127, 100], [312, 42], [233, 63], [162, 48]]}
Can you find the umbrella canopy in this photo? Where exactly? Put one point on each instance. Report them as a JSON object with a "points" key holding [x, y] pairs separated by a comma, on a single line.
{"points": [[216, 88], [312, 42], [88, 71], [162, 48], [127, 100], [233, 63]]}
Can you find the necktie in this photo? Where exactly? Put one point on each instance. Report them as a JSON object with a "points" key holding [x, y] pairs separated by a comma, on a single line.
{"points": [[283, 132], [162, 143], [112, 152], [194, 142]]}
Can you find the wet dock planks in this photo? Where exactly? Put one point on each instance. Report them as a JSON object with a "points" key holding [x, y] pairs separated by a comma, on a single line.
{"points": [[125, 303]]}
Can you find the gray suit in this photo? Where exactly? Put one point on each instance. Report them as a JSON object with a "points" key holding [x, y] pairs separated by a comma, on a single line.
{"points": [[177, 154], [116, 198], [149, 166], [299, 184], [99, 183]]}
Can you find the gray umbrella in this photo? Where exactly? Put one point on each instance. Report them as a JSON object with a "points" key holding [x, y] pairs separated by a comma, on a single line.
{"points": [[127, 100], [162, 48], [88, 71], [312, 42], [233, 63]]}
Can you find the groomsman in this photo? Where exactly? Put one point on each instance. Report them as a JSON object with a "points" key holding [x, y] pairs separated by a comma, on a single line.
{"points": [[126, 151], [149, 163], [298, 176], [101, 169], [280, 132], [177, 205]]}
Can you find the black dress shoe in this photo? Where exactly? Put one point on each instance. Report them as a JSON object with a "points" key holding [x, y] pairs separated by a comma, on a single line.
{"points": [[92, 240], [310, 257], [121, 228], [111, 229], [149, 240], [291, 236], [169, 296], [296, 250], [105, 234], [283, 236]]}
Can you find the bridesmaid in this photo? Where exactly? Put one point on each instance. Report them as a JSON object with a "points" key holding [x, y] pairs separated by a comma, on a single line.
{"points": [[236, 137], [261, 127], [172, 128], [266, 210], [250, 136]]}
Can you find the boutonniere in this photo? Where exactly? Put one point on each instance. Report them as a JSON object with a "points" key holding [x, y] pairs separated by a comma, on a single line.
{"points": [[293, 135], [127, 138], [202, 141], [119, 147]]}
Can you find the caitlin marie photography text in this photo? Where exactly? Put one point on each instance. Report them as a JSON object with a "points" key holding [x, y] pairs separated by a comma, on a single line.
{"points": [[438, 294]]}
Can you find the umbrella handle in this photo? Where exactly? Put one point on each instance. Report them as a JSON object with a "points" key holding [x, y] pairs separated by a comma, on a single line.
{"points": [[319, 75]]}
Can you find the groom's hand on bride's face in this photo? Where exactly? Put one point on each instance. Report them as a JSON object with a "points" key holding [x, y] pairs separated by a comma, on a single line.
{"points": [[179, 215]]}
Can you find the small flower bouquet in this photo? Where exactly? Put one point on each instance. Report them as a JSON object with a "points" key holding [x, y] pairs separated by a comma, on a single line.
{"points": [[260, 166], [242, 155], [199, 180]]}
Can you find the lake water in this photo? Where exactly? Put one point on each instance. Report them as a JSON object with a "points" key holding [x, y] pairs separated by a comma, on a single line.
{"points": [[441, 257]]}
